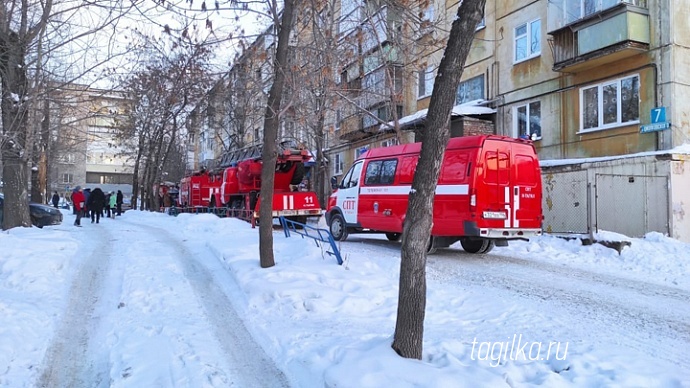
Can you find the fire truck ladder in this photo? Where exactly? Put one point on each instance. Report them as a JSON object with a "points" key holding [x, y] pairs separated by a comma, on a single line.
{"points": [[318, 235]]}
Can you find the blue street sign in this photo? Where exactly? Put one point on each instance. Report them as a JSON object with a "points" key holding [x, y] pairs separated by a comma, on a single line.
{"points": [[658, 119]]}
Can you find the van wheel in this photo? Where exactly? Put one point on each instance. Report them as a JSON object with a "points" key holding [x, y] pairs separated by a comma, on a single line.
{"points": [[479, 246], [393, 236], [338, 228], [431, 247]]}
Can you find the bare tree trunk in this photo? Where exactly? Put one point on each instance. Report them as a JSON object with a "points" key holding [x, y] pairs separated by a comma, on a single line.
{"points": [[271, 124], [13, 146], [409, 328]]}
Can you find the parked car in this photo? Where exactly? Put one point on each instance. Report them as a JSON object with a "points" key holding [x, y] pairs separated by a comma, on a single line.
{"points": [[41, 215]]}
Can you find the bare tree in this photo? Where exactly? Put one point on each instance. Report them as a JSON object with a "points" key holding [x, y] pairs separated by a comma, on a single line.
{"points": [[271, 124], [164, 92], [409, 328], [24, 52]]}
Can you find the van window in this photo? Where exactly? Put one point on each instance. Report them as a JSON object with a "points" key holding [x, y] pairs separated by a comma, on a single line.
{"points": [[496, 169], [380, 172], [525, 170], [407, 169], [351, 179], [454, 167]]}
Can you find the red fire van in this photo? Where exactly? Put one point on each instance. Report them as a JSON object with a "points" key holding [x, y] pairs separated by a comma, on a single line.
{"points": [[489, 191]]}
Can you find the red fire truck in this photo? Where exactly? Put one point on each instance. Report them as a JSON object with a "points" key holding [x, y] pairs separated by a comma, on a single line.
{"points": [[489, 191], [236, 184]]}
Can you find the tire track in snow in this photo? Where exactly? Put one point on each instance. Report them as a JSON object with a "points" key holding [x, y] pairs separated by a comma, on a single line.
{"points": [[68, 362], [646, 315], [250, 365]]}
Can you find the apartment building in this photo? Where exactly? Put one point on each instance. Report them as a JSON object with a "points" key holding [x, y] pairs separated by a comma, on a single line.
{"points": [[585, 79], [86, 150]]}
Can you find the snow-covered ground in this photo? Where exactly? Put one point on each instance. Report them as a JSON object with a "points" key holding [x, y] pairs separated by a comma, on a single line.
{"points": [[153, 300]]}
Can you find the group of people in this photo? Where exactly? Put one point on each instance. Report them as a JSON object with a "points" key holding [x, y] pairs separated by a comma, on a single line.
{"points": [[96, 204]]}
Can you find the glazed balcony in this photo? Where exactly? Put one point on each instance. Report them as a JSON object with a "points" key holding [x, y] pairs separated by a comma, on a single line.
{"points": [[599, 36]]}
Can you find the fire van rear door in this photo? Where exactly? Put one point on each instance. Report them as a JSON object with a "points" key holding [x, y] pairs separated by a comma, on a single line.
{"points": [[526, 201], [495, 197]]}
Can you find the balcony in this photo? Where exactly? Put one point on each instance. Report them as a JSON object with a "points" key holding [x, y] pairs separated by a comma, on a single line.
{"points": [[600, 37]]}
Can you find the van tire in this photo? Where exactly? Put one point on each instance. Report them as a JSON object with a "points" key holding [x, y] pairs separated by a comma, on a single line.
{"points": [[479, 246], [338, 228], [393, 236], [431, 247]]}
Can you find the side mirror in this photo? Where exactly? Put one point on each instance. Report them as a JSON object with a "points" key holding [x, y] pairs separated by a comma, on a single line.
{"points": [[334, 182]]}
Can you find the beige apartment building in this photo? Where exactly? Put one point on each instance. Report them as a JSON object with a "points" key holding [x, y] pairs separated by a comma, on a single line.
{"points": [[600, 86], [86, 150]]}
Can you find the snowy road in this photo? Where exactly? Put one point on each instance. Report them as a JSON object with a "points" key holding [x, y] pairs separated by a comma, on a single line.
{"points": [[149, 300], [645, 317], [94, 322]]}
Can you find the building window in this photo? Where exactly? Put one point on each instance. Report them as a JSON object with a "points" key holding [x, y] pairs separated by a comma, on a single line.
{"points": [[338, 119], [528, 121], [349, 16], [390, 142], [69, 158], [67, 178], [338, 164], [527, 40], [610, 104], [425, 82], [470, 90]]}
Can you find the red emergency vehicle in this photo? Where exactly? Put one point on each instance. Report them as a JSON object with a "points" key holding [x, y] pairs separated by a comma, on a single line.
{"points": [[489, 191], [236, 184]]}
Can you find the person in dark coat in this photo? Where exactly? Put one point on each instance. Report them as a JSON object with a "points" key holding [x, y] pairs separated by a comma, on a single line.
{"points": [[86, 208], [95, 204], [118, 202], [107, 204], [78, 201], [56, 199]]}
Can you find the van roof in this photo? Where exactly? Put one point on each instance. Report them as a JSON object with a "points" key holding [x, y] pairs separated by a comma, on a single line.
{"points": [[453, 143]]}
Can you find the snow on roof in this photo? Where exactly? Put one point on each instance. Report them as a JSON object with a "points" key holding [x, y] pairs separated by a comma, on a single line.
{"points": [[475, 107], [681, 149]]}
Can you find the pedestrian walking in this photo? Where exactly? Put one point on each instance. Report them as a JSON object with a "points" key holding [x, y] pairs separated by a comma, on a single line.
{"points": [[95, 204], [112, 204], [118, 201], [56, 199], [87, 193], [78, 202], [107, 204], [74, 207]]}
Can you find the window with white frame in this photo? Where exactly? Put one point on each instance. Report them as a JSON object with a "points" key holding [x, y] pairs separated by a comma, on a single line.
{"points": [[69, 158], [527, 41], [610, 104], [338, 163], [67, 178], [527, 119], [389, 142], [425, 82]]}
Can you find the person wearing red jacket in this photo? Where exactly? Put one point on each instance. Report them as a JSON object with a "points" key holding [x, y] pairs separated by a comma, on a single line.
{"points": [[78, 200]]}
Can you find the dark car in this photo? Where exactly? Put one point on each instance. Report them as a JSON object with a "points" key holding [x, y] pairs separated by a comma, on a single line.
{"points": [[41, 215]]}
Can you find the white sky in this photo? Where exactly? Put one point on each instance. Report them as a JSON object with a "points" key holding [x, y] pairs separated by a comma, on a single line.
{"points": [[150, 300]]}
